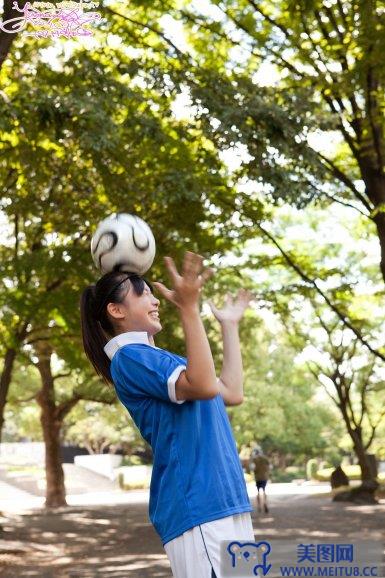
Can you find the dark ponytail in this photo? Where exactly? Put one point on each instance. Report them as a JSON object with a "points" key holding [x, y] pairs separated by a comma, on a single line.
{"points": [[96, 325]]}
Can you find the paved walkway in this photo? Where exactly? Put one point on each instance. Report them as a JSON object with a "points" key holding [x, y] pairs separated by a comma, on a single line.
{"points": [[16, 500], [116, 539]]}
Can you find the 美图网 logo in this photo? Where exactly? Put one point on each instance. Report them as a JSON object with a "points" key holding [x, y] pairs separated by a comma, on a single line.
{"points": [[279, 558], [253, 555], [67, 18]]}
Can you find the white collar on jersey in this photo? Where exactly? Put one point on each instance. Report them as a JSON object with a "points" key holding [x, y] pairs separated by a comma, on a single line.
{"points": [[118, 341]]}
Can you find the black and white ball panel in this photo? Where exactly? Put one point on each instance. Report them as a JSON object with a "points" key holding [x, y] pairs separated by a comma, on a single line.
{"points": [[123, 242]]}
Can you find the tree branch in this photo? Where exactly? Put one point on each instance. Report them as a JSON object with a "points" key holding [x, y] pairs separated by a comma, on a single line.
{"points": [[347, 136], [60, 375], [314, 284], [334, 23], [146, 26], [341, 176], [271, 20], [279, 58], [342, 13], [372, 87], [331, 81], [374, 429], [344, 204], [65, 407], [364, 386], [321, 371]]}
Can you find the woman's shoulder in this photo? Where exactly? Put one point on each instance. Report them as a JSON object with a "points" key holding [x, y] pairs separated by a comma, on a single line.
{"points": [[140, 350]]}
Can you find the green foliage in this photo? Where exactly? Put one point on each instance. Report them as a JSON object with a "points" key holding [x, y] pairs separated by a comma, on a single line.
{"points": [[22, 417], [281, 73], [311, 469], [81, 140], [288, 474], [95, 133], [278, 410], [97, 427], [138, 485]]}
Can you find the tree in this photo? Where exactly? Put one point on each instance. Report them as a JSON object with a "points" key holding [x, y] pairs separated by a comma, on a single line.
{"points": [[353, 392], [98, 427], [327, 56], [62, 170], [329, 53], [280, 411], [337, 356]]}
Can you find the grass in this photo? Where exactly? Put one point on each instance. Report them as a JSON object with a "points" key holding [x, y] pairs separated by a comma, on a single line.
{"points": [[353, 473], [25, 469]]}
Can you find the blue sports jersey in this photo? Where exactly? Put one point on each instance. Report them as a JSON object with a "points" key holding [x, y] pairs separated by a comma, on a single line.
{"points": [[197, 476]]}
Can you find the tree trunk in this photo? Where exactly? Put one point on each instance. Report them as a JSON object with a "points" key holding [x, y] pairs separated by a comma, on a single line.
{"points": [[51, 425], [5, 381], [6, 38], [368, 476], [55, 491], [365, 493], [6, 375], [375, 190], [379, 219]]}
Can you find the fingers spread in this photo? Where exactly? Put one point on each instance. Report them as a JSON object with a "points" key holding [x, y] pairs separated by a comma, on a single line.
{"points": [[212, 306], [229, 299], [192, 265], [163, 289], [171, 268], [244, 296], [206, 274]]}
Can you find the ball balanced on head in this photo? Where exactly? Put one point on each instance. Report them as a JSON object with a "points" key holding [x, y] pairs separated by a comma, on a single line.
{"points": [[123, 242]]}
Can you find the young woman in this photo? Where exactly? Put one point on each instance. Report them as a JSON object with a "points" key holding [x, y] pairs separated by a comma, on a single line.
{"points": [[198, 495]]}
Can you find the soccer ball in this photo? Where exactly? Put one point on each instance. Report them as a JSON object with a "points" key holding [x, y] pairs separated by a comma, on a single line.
{"points": [[123, 242]]}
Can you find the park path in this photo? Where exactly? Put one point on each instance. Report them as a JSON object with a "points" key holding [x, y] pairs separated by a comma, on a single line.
{"points": [[117, 541]]}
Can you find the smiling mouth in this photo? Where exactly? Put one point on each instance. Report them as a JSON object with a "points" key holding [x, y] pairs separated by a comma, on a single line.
{"points": [[154, 315]]}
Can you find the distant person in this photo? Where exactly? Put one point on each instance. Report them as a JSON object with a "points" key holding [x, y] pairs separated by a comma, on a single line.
{"points": [[259, 465]]}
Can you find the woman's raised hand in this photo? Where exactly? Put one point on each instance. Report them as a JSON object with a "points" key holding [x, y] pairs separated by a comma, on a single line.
{"points": [[186, 286], [233, 310]]}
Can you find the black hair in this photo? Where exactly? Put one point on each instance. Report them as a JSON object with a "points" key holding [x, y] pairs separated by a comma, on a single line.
{"points": [[95, 322]]}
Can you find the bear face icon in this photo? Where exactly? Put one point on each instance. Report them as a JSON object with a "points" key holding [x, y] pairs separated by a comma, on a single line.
{"points": [[253, 553]]}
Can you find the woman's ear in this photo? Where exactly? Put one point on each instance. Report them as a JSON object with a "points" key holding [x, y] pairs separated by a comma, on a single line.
{"points": [[115, 310]]}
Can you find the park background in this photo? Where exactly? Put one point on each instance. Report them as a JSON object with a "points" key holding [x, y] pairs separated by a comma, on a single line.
{"points": [[249, 131]]}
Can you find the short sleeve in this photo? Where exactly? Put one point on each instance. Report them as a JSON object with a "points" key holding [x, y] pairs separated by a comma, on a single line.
{"points": [[147, 371]]}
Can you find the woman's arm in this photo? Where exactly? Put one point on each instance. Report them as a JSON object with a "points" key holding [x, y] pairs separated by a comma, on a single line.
{"points": [[199, 380], [231, 378]]}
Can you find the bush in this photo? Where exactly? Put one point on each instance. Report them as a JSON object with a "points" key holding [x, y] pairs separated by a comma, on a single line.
{"points": [[288, 474], [134, 477], [139, 485], [311, 469], [132, 461]]}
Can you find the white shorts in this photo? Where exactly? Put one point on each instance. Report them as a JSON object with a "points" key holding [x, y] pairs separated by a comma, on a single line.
{"points": [[197, 551]]}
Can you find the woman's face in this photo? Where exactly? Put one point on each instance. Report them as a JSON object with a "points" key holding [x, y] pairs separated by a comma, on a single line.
{"points": [[137, 312]]}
